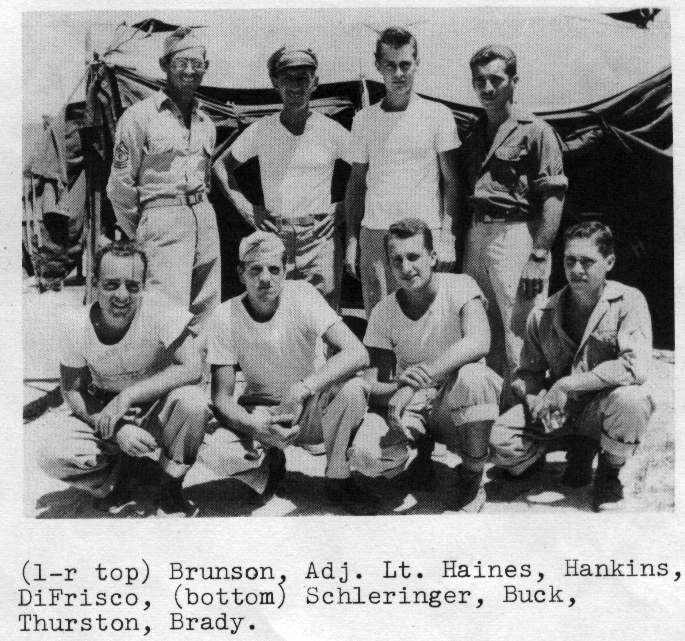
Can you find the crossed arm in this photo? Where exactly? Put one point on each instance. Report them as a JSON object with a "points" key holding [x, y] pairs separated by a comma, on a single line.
{"points": [[396, 394], [269, 427], [184, 369]]}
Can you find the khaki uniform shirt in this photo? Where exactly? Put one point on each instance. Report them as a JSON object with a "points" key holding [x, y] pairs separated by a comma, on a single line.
{"points": [[156, 155], [616, 345], [509, 178]]}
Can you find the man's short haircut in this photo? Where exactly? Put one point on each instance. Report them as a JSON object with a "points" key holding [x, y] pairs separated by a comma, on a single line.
{"points": [[395, 37], [408, 227], [599, 232], [489, 53], [122, 248]]}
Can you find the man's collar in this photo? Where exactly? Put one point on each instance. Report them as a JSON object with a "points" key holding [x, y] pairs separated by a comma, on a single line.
{"points": [[162, 99], [612, 291]]}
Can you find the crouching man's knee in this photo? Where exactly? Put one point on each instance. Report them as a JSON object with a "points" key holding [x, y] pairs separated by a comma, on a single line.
{"points": [[625, 414], [510, 449], [474, 394]]}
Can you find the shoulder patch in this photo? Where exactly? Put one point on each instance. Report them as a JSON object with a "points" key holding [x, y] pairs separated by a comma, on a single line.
{"points": [[121, 156]]}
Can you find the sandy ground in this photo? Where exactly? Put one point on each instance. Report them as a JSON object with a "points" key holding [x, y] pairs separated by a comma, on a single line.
{"points": [[648, 477]]}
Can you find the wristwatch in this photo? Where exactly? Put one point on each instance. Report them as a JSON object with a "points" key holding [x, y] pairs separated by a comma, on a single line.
{"points": [[539, 255]]}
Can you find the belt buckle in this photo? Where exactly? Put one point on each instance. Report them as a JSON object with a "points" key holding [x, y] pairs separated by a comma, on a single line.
{"points": [[193, 199]]}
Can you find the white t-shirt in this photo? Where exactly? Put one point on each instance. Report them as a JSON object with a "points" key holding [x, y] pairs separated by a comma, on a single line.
{"points": [[401, 149], [141, 352], [273, 354], [416, 341], [296, 171]]}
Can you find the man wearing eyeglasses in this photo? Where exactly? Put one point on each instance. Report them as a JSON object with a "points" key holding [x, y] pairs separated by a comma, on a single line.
{"points": [[297, 150], [160, 176]]}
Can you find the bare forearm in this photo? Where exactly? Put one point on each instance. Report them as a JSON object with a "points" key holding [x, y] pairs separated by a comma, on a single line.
{"points": [[545, 234], [339, 367], [462, 352], [381, 393], [234, 416], [77, 404], [161, 383], [229, 188]]}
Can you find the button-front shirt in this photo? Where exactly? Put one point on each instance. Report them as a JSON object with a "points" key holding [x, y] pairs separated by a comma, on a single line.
{"points": [[522, 165], [616, 345], [156, 155]]}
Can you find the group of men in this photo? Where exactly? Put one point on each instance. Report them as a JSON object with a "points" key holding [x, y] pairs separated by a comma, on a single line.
{"points": [[481, 361]]}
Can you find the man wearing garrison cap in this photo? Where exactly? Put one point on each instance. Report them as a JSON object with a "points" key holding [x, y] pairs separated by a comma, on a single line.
{"points": [[271, 331], [297, 150], [159, 179]]}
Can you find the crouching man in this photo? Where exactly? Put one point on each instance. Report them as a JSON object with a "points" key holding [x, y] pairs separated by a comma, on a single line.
{"points": [[435, 330], [271, 331], [594, 337], [128, 369]]}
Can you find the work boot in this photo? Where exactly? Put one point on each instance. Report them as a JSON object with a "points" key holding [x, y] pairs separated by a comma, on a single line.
{"points": [[530, 472], [118, 500], [607, 488], [348, 495], [276, 471], [468, 494], [579, 457], [171, 499], [421, 475], [121, 497]]}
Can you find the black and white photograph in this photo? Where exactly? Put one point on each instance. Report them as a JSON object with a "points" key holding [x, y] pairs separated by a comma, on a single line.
{"points": [[333, 262]]}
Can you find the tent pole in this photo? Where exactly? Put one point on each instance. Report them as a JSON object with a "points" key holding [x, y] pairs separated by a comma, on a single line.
{"points": [[36, 220]]}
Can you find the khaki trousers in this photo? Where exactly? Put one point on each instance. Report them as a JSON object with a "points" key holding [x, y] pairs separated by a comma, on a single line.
{"points": [[469, 396], [182, 247], [329, 417], [73, 452], [615, 418]]}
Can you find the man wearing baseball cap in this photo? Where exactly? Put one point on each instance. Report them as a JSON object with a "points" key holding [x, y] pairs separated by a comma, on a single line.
{"points": [[272, 331], [159, 179], [297, 150]]}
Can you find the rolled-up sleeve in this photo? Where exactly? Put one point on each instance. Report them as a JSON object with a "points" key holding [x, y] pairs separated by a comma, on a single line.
{"points": [[122, 187], [550, 178], [634, 343]]}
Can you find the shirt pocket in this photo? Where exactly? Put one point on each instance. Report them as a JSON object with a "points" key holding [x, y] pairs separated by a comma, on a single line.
{"points": [[509, 168], [159, 153]]}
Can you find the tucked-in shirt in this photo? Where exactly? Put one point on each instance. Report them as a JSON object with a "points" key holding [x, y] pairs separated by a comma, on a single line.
{"points": [[295, 171], [616, 345], [140, 353], [156, 155], [401, 149], [276, 353], [523, 164], [423, 339]]}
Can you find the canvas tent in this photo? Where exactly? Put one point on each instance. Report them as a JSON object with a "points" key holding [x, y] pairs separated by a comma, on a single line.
{"points": [[617, 155]]}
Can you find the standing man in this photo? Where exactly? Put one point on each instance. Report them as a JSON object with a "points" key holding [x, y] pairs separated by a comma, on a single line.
{"points": [[297, 149], [512, 173], [272, 332], [584, 365], [128, 370], [401, 147], [160, 176], [433, 334]]}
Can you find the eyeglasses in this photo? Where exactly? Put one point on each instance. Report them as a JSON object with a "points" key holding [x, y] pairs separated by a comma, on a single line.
{"points": [[182, 63]]}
